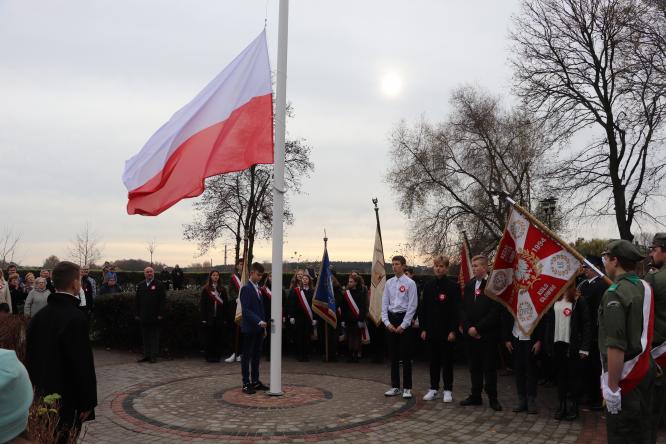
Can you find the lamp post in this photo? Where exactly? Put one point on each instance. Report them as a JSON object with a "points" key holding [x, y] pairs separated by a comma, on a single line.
{"points": [[548, 206]]}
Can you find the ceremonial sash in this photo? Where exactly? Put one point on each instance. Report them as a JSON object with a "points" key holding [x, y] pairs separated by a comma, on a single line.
{"points": [[634, 370], [352, 304], [365, 334], [236, 280], [267, 292], [216, 297], [303, 301], [659, 355]]}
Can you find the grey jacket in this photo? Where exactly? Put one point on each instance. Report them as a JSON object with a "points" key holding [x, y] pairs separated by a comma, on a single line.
{"points": [[36, 301]]}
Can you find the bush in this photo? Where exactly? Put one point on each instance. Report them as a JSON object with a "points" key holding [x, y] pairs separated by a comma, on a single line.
{"points": [[113, 323]]}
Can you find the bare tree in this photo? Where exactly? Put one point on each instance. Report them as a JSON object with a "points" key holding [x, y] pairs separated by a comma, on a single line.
{"points": [[447, 176], [9, 240], [598, 64], [151, 249], [239, 205], [50, 262], [85, 248]]}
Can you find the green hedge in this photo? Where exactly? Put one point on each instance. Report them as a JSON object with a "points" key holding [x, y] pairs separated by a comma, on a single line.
{"points": [[113, 323]]}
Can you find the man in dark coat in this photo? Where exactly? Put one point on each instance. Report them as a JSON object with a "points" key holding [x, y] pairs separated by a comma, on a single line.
{"points": [[253, 326], [177, 278], [149, 303], [59, 357], [480, 322]]}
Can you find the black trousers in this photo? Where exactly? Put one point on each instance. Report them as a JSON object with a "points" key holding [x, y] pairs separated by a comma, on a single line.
{"points": [[568, 368], [150, 335], [524, 368], [482, 359], [440, 355], [251, 355], [399, 349], [302, 338], [592, 373], [213, 337]]}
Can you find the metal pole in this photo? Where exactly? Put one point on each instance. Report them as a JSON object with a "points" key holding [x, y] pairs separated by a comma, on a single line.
{"points": [[278, 202]]}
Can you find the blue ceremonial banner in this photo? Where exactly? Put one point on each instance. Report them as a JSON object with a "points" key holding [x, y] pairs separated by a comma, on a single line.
{"points": [[323, 302]]}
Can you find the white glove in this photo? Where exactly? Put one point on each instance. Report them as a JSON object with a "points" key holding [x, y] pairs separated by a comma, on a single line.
{"points": [[314, 322], [292, 321], [613, 399], [342, 324], [360, 324]]}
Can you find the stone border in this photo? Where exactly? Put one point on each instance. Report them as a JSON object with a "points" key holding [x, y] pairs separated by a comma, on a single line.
{"points": [[122, 404]]}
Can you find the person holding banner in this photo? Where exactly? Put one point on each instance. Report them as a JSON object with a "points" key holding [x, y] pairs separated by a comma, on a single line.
{"points": [[301, 317], [625, 336], [354, 311], [658, 282], [439, 323], [480, 322], [399, 304], [211, 306]]}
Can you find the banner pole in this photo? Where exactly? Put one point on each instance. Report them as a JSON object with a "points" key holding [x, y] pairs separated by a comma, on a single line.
{"points": [[564, 244], [278, 201]]}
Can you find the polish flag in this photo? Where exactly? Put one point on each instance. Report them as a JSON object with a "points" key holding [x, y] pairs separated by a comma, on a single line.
{"points": [[227, 127]]}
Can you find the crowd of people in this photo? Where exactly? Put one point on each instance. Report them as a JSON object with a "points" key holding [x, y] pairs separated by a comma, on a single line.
{"points": [[593, 329]]}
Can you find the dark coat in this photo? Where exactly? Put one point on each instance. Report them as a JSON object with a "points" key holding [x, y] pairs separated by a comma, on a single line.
{"points": [[439, 308], [149, 301], [592, 294], [294, 306], [107, 289], [88, 290], [252, 308], [59, 357], [18, 300], [480, 311], [580, 329], [361, 300], [210, 309]]}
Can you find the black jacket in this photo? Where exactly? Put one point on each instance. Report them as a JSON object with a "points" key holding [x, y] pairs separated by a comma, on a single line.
{"points": [[579, 333], [592, 294], [359, 296], [59, 357], [480, 311], [149, 301], [294, 308], [439, 308], [211, 310]]}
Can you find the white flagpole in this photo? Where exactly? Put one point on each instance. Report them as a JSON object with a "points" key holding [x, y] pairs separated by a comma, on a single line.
{"points": [[278, 202]]}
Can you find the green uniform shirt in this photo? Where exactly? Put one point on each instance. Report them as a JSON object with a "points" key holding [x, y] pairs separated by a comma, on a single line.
{"points": [[621, 317], [658, 283]]}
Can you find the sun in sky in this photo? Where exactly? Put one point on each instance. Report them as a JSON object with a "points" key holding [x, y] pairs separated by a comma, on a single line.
{"points": [[391, 84]]}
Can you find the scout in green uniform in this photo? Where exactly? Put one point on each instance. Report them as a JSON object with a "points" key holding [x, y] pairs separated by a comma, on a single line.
{"points": [[658, 282], [628, 418]]}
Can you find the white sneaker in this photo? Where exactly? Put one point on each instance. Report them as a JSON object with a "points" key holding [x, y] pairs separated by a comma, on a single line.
{"points": [[392, 392], [430, 395], [407, 393], [238, 358], [231, 358], [448, 396]]}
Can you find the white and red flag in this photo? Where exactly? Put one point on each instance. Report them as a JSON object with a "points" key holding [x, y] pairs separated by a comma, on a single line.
{"points": [[531, 270], [227, 127], [465, 272]]}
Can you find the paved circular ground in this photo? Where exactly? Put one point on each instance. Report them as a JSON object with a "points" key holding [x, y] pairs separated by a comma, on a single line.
{"points": [[213, 405]]}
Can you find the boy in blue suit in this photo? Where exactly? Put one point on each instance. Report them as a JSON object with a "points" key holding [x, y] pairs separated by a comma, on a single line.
{"points": [[253, 327]]}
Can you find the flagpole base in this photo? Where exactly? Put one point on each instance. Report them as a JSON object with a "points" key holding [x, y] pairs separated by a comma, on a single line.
{"points": [[269, 393]]}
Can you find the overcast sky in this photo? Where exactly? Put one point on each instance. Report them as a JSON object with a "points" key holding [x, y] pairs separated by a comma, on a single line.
{"points": [[84, 84]]}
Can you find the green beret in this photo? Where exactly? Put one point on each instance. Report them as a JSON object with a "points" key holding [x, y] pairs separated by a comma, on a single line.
{"points": [[623, 249], [659, 240]]}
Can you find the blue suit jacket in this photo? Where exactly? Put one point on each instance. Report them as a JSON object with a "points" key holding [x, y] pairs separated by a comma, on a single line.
{"points": [[253, 309]]}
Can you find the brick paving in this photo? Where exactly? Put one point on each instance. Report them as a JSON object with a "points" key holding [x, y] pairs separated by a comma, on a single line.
{"points": [[189, 400]]}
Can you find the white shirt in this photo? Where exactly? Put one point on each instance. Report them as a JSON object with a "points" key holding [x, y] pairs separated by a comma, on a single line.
{"points": [[563, 311], [518, 333], [400, 296], [82, 298]]}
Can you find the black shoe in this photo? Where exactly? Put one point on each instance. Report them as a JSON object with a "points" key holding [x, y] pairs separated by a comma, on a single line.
{"points": [[495, 405], [520, 407], [561, 411], [259, 386], [248, 389], [572, 411], [471, 400], [144, 359], [531, 406]]}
